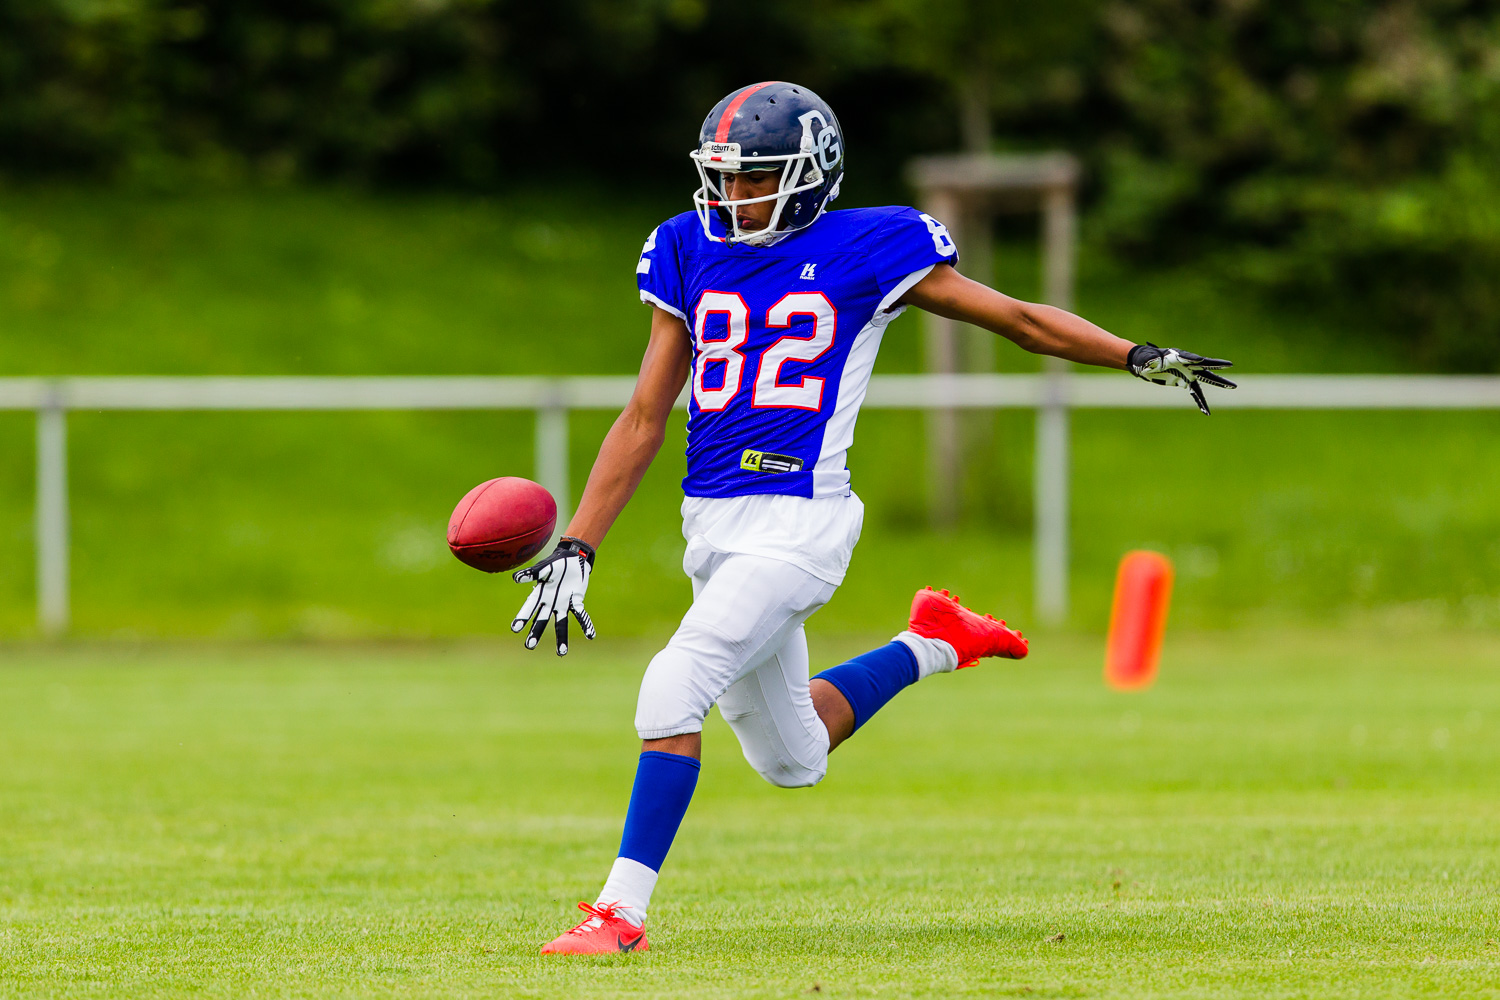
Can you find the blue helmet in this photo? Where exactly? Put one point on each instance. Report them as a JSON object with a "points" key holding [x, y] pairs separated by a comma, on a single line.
{"points": [[769, 126]]}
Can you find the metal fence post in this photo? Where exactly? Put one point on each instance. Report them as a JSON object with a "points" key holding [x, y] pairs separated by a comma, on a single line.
{"points": [[1051, 499], [552, 455], [52, 515]]}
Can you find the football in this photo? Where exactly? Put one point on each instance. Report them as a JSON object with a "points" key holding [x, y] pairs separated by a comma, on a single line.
{"points": [[500, 524]]}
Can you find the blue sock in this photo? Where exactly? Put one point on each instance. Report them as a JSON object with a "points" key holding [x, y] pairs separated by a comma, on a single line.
{"points": [[870, 680], [664, 784]]}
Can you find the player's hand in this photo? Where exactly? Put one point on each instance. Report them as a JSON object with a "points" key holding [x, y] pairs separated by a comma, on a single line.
{"points": [[1169, 366], [561, 580]]}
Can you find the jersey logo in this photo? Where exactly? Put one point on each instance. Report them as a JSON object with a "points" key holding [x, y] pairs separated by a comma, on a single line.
{"points": [[808, 272], [765, 461]]}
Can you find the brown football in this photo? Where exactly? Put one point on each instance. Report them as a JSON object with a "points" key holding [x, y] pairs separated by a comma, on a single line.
{"points": [[502, 523]]}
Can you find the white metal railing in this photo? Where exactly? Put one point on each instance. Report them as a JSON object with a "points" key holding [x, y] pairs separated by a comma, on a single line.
{"points": [[1052, 395]]}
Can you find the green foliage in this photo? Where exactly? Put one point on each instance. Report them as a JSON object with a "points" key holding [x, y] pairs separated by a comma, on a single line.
{"points": [[1289, 815], [169, 94], [992, 56], [1335, 153], [1344, 151]]}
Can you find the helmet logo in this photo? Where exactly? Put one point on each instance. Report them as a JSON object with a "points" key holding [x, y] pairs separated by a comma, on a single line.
{"points": [[825, 140]]}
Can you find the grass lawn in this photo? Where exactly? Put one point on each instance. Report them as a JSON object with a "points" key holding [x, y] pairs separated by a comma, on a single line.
{"points": [[1289, 814], [233, 526]]}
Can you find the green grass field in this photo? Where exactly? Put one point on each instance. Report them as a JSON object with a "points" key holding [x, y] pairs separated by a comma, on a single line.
{"points": [[1305, 814]]}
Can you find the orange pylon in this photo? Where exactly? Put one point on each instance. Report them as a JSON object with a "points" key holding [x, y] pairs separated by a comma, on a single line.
{"points": [[1138, 621]]}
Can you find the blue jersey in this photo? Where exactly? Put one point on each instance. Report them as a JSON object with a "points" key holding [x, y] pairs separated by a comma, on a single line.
{"points": [[784, 340]]}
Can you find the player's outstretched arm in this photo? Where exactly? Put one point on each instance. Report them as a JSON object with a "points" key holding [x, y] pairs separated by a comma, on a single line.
{"points": [[562, 577], [1037, 328], [1044, 329]]}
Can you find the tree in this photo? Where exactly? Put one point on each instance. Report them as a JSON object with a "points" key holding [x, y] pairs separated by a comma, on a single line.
{"points": [[995, 56]]}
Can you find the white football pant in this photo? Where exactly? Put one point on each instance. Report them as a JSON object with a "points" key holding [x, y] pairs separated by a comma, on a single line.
{"points": [[741, 645]]}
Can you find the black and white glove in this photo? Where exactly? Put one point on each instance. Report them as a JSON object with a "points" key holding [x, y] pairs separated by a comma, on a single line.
{"points": [[1169, 366], [561, 580]]}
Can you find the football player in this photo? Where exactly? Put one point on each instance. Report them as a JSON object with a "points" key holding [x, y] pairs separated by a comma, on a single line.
{"points": [[774, 308]]}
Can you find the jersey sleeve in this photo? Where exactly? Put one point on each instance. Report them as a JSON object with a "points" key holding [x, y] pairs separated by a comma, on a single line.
{"points": [[658, 273], [905, 249]]}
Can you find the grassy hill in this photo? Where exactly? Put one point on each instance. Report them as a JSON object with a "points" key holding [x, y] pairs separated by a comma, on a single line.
{"points": [[248, 525]]}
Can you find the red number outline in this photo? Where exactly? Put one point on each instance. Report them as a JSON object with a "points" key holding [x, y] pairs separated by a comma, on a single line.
{"points": [[803, 383], [699, 340]]}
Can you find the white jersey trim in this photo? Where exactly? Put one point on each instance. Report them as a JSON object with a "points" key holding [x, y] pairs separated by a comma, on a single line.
{"points": [[901, 289], [830, 474], [652, 300]]}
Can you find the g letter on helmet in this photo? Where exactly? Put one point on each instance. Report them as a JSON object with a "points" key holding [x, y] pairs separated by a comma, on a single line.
{"points": [[778, 126]]}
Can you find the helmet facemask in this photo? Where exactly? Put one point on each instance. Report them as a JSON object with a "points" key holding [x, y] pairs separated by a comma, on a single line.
{"points": [[799, 173]]}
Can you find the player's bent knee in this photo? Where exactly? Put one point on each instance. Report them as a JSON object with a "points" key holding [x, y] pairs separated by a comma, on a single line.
{"points": [[673, 700], [781, 748], [791, 775], [773, 761]]}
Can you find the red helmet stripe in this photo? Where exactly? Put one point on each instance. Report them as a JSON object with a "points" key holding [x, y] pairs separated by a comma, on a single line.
{"points": [[722, 135]]}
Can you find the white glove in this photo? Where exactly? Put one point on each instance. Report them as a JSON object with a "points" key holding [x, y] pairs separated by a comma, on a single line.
{"points": [[561, 581], [1170, 366]]}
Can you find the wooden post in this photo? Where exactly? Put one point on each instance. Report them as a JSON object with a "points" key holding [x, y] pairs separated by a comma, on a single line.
{"points": [[976, 248], [977, 349], [940, 345], [966, 191], [1059, 236]]}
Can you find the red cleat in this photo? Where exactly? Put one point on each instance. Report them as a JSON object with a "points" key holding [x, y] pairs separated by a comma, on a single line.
{"points": [[602, 933], [936, 614]]}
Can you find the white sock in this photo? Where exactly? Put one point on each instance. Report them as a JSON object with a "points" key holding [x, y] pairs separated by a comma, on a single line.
{"points": [[629, 887], [934, 656]]}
